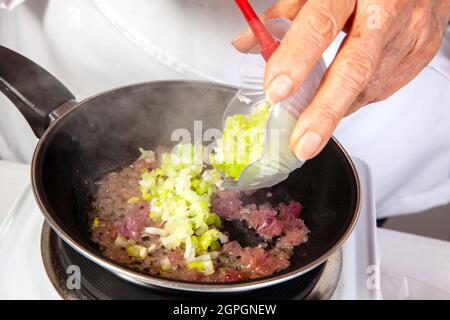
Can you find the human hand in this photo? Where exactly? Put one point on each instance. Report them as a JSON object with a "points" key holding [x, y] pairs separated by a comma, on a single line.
{"points": [[388, 43]]}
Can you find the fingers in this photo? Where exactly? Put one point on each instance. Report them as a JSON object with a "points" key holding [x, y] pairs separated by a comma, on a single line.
{"points": [[379, 85], [405, 57], [344, 80], [315, 27], [420, 56], [441, 9], [246, 41]]}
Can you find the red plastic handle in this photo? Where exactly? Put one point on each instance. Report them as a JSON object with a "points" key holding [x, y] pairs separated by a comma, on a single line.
{"points": [[267, 43]]}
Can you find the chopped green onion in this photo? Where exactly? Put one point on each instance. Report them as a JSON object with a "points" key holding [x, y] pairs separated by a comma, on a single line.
{"points": [[242, 142]]}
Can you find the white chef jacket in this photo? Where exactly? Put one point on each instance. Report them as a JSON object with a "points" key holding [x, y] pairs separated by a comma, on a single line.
{"points": [[96, 45]]}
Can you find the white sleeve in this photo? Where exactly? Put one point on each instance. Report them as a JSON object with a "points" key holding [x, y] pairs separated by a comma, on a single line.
{"points": [[441, 61], [10, 4]]}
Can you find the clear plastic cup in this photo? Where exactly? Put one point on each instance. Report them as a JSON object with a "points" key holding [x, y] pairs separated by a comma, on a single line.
{"points": [[277, 161]]}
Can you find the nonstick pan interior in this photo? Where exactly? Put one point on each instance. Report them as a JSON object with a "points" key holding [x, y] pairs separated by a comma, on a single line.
{"points": [[105, 132]]}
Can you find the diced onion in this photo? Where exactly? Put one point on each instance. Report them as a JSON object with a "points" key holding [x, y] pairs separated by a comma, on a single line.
{"points": [[147, 155], [179, 196], [153, 231], [152, 248], [222, 238], [214, 254], [203, 258], [122, 242], [242, 142], [189, 252], [165, 264], [209, 268]]}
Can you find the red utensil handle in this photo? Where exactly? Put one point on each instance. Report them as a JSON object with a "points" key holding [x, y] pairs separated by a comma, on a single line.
{"points": [[267, 43]]}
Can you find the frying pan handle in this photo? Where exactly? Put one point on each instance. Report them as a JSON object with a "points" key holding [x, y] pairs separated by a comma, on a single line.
{"points": [[34, 91]]}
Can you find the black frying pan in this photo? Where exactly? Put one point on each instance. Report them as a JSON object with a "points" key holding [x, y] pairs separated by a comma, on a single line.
{"points": [[81, 141]]}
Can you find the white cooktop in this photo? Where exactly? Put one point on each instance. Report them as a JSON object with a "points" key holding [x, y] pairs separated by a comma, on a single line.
{"points": [[22, 274]]}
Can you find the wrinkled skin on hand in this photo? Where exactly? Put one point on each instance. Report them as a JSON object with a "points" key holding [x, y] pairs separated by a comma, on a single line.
{"points": [[388, 43]]}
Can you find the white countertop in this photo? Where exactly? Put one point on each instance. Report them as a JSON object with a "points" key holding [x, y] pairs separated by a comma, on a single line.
{"points": [[413, 267], [13, 178]]}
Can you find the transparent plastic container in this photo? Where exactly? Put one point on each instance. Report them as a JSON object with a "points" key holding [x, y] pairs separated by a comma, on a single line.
{"points": [[277, 161]]}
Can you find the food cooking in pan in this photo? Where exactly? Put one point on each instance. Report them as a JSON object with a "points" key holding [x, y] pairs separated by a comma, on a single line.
{"points": [[166, 213]]}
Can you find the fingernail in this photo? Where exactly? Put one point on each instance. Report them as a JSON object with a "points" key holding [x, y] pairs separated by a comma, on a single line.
{"points": [[279, 88], [308, 146], [236, 39]]}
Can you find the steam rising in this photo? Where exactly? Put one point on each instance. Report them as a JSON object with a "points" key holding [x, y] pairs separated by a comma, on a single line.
{"points": [[108, 130]]}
